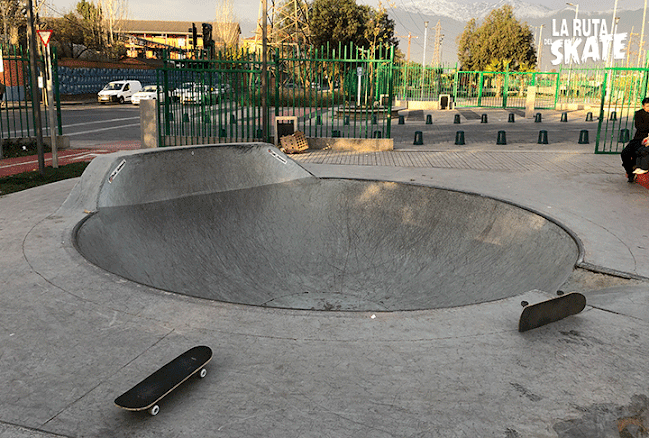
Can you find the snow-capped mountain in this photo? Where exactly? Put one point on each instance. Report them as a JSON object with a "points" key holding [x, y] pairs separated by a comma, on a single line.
{"points": [[479, 10]]}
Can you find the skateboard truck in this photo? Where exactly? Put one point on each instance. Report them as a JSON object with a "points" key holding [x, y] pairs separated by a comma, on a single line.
{"points": [[146, 394], [552, 310]]}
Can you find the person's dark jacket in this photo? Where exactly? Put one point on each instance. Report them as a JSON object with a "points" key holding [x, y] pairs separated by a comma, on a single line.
{"points": [[641, 120]]}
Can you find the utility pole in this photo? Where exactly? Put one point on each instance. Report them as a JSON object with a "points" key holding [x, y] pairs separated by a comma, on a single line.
{"points": [[641, 45], [36, 102], [410, 37], [438, 43], [629, 44]]}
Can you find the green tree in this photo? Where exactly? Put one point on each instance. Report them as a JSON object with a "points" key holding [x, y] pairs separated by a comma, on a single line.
{"points": [[501, 43], [343, 22], [88, 27]]}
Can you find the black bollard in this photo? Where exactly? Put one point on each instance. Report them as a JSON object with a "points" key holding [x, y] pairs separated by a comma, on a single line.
{"points": [[223, 133], [429, 119], [564, 117], [402, 120], [170, 117], [185, 117], [346, 122], [335, 133], [260, 133], [583, 137], [589, 116], [233, 119], [511, 118], [378, 134], [537, 118], [502, 138], [543, 137], [613, 115], [483, 119], [456, 120], [459, 137], [318, 120], [419, 138], [625, 134]]}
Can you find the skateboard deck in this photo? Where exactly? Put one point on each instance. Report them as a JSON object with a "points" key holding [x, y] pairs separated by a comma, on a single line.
{"points": [[552, 310], [147, 393]]}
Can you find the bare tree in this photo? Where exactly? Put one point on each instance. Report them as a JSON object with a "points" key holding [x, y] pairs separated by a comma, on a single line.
{"points": [[226, 29], [114, 12]]}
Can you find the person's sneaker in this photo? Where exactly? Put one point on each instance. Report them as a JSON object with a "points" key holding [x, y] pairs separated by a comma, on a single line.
{"points": [[639, 171], [631, 178]]}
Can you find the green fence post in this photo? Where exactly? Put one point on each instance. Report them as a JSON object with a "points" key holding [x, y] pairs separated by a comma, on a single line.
{"points": [[601, 114]]}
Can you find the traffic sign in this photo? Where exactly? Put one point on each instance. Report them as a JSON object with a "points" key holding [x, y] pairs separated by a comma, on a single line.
{"points": [[45, 36]]}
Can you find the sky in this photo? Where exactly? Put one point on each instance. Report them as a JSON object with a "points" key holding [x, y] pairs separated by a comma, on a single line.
{"points": [[247, 10]]}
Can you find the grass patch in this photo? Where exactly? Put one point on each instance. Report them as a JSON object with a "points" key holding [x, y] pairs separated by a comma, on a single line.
{"points": [[13, 148], [27, 180]]}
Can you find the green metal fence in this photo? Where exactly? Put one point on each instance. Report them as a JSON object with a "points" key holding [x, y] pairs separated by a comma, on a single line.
{"points": [[342, 92], [621, 94], [412, 82], [349, 92], [475, 88], [201, 101], [16, 112]]}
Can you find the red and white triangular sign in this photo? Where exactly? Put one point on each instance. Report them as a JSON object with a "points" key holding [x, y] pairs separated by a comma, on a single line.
{"points": [[45, 36]]}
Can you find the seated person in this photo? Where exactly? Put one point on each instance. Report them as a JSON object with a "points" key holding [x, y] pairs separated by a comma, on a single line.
{"points": [[629, 154]]}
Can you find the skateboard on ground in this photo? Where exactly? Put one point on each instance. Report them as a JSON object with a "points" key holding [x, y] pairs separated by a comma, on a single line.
{"points": [[146, 394], [552, 310]]}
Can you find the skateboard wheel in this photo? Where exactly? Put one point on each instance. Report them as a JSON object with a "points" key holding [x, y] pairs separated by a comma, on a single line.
{"points": [[154, 410], [559, 292], [524, 303], [202, 373]]}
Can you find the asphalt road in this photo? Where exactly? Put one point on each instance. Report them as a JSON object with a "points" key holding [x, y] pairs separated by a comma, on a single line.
{"points": [[101, 126]]}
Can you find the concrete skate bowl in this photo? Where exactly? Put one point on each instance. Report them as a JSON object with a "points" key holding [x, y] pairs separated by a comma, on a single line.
{"points": [[247, 225]]}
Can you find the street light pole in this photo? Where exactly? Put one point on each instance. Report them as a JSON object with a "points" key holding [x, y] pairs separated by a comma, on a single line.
{"points": [[540, 47], [573, 42], [609, 59], [423, 61]]}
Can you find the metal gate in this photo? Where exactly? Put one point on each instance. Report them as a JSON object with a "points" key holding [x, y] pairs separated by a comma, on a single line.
{"points": [[622, 92], [343, 92], [16, 111]]}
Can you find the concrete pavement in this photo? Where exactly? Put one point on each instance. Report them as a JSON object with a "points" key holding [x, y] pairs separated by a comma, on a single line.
{"points": [[74, 336]]}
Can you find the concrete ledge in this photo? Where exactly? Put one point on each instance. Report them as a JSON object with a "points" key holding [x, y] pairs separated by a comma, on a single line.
{"points": [[570, 106], [353, 144]]}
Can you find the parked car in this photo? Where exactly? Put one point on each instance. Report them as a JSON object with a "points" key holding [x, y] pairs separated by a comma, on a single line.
{"points": [[184, 88], [203, 94], [149, 92], [119, 91]]}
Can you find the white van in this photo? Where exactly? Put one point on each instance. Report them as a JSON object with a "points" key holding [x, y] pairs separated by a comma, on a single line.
{"points": [[119, 91]]}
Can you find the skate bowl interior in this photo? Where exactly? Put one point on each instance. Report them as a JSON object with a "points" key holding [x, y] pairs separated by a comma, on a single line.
{"points": [[245, 224]]}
